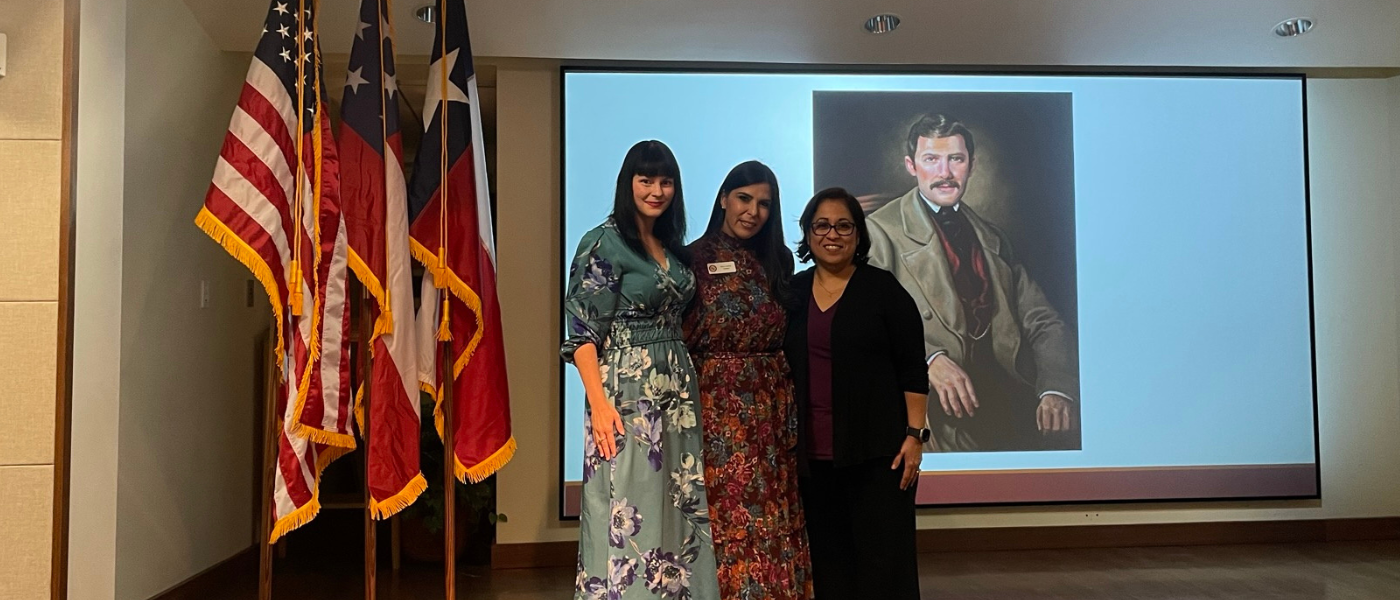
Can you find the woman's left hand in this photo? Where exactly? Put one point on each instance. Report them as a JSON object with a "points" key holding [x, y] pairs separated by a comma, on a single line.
{"points": [[910, 455]]}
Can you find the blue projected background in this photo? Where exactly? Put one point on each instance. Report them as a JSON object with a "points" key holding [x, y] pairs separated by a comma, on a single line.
{"points": [[1190, 223]]}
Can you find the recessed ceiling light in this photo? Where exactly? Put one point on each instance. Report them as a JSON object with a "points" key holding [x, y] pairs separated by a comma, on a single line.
{"points": [[882, 23], [426, 14], [1293, 27]]}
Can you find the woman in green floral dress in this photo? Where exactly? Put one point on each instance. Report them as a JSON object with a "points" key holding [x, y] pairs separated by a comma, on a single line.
{"points": [[644, 530]]}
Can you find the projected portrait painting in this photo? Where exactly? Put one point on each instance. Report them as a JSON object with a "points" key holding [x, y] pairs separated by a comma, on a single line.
{"points": [[969, 199]]}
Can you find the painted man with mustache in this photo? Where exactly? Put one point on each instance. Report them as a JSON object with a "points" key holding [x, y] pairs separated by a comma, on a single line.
{"points": [[1003, 364]]}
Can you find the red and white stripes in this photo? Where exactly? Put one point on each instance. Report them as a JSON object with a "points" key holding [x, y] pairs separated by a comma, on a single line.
{"points": [[273, 203]]}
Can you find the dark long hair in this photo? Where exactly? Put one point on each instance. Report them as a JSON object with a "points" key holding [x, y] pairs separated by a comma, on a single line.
{"points": [[650, 159], [834, 194], [767, 244]]}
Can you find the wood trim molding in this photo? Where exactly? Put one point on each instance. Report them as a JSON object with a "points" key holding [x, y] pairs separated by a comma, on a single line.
{"points": [[984, 539], [63, 400], [214, 580]]}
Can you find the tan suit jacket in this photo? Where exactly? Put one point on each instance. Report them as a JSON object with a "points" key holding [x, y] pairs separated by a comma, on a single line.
{"points": [[1028, 336]]}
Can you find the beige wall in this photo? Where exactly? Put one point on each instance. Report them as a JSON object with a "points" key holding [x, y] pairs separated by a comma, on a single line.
{"points": [[1355, 147], [97, 303], [185, 454], [31, 123], [527, 196]]}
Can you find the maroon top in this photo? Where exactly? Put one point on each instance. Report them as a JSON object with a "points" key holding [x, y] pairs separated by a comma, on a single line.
{"points": [[819, 381]]}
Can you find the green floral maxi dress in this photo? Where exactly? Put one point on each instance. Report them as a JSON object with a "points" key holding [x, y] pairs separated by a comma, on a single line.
{"points": [[644, 531]]}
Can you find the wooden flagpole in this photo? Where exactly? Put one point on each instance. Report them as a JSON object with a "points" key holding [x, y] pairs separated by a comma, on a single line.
{"points": [[449, 446], [371, 534], [269, 462], [449, 463]]}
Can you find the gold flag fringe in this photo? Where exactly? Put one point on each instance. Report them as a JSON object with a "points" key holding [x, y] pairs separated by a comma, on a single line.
{"points": [[360, 409], [461, 290], [243, 253], [388, 507], [481, 470], [306, 513], [488, 467], [311, 432], [321, 436], [385, 323]]}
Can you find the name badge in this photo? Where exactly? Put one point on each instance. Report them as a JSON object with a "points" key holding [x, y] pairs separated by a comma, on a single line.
{"points": [[722, 267]]}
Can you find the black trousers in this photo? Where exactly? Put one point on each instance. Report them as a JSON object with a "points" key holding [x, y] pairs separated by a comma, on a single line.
{"points": [[860, 526]]}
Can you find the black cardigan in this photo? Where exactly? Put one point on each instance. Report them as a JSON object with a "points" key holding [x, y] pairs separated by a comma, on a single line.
{"points": [[877, 348]]}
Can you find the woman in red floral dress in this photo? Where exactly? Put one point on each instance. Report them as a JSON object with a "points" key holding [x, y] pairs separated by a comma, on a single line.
{"points": [[734, 329]]}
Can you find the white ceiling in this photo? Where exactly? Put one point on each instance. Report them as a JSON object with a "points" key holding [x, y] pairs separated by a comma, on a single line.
{"points": [[1131, 33]]}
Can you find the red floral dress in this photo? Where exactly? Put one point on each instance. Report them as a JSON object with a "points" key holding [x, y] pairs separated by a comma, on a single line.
{"points": [[734, 330]]}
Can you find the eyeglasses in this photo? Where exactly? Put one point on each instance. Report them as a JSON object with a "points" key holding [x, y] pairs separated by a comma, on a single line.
{"points": [[843, 228]]}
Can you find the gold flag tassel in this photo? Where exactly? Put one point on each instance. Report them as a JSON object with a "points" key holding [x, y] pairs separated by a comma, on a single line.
{"points": [[386, 321], [444, 332], [296, 294], [440, 282]]}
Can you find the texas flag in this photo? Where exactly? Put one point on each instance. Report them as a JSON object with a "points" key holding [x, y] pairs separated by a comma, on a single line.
{"points": [[450, 209]]}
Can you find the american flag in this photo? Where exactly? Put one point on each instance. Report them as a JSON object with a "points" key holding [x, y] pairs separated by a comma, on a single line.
{"points": [[450, 212], [274, 205], [376, 211]]}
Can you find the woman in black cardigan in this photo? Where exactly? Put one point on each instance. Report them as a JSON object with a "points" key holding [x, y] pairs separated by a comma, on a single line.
{"points": [[856, 347]]}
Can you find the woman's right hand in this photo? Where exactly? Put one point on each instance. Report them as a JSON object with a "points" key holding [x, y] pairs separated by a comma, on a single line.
{"points": [[606, 421], [603, 420]]}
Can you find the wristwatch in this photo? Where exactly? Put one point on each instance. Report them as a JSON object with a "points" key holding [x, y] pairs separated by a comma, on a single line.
{"points": [[922, 435]]}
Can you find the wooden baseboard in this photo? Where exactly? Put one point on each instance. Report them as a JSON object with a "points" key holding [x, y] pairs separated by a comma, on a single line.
{"points": [[212, 581], [534, 556], [1357, 530], [1156, 534], [986, 539]]}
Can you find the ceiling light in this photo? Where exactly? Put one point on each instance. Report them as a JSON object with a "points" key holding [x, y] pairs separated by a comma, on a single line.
{"points": [[1293, 27], [882, 23], [426, 14]]}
